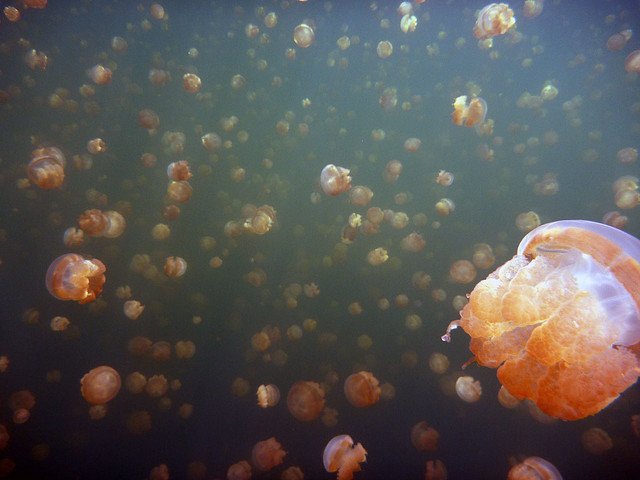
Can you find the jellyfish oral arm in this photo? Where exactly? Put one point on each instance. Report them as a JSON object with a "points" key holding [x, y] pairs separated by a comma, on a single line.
{"points": [[452, 326]]}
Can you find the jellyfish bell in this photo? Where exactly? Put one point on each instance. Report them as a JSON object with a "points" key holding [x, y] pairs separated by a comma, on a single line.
{"points": [[560, 320], [342, 455]]}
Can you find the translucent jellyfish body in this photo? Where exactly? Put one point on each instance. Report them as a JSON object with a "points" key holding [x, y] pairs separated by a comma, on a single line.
{"points": [[560, 320]]}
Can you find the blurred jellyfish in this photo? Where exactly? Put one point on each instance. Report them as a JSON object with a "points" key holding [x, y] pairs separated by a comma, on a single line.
{"points": [[435, 470], [362, 389], [267, 454], [100, 75], [175, 267], [100, 385], [618, 41], [133, 309], [191, 83], [596, 441], [424, 438], [268, 395], [438, 363], [534, 468], [377, 256], [462, 271], [46, 168], [305, 400], [239, 471], [632, 62], [468, 389], [384, 49], [532, 8], [303, 35]]}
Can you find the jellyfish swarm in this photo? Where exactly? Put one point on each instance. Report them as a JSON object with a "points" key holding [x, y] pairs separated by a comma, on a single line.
{"points": [[560, 320], [73, 277]]}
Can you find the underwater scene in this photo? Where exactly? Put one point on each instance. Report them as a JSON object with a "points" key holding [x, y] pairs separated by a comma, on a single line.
{"points": [[287, 239]]}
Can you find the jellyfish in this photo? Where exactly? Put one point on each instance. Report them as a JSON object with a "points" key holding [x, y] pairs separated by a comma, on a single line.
{"points": [[46, 168], [469, 114], [532, 8], [462, 271], [156, 386], [191, 83], [179, 191], [632, 62], [384, 49], [267, 454], [335, 180], [239, 471], [100, 385], [494, 19], [305, 400], [342, 455], [268, 395], [560, 319], [175, 267], [74, 277], [133, 309], [534, 467], [100, 75], [424, 438], [362, 389], [468, 389], [303, 35], [596, 441], [179, 170], [435, 470]]}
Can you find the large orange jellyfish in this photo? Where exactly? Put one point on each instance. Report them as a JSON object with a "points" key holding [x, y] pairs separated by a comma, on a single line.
{"points": [[560, 320]]}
